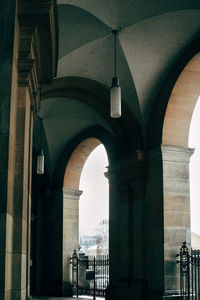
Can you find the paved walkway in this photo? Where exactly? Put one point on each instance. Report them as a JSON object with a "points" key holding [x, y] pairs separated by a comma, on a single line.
{"points": [[66, 298]]}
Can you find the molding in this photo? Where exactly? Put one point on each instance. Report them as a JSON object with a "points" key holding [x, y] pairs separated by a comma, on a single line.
{"points": [[128, 169], [71, 193], [170, 153], [176, 153], [34, 8], [37, 54], [172, 295]]}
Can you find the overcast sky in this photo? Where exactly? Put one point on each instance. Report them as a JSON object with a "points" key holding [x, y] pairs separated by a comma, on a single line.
{"points": [[94, 200], [194, 142]]}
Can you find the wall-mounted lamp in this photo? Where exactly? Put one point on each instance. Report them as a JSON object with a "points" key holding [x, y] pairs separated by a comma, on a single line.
{"points": [[40, 157], [115, 91]]}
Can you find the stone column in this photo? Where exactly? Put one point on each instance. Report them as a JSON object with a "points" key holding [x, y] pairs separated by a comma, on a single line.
{"points": [[8, 95], [167, 218], [21, 194], [153, 227], [114, 230], [70, 233], [18, 92], [127, 192], [49, 243], [176, 197]]}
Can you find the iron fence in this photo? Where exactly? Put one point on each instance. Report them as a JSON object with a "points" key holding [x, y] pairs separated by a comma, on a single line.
{"points": [[189, 273], [90, 275]]}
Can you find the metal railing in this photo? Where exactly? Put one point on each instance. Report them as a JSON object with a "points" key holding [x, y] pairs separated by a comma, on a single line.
{"points": [[90, 275], [189, 273]]}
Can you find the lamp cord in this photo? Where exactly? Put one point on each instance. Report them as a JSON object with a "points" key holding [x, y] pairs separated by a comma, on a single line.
{"points": [[40, 133], [115, 53]]}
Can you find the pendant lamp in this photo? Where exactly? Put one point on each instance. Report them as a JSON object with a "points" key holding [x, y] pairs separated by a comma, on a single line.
{"points": [[115, 91], [40, 157], [40, 163]]}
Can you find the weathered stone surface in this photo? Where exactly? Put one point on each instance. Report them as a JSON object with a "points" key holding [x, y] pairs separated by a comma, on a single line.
{"points": [[176, 208], [70, 228]]}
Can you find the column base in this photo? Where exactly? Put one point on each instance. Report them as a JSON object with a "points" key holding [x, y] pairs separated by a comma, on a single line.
{"points": [[172, 295], [67, 289], [126, 290]]}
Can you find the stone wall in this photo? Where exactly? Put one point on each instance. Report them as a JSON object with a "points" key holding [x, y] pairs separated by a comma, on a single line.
{"points": [[70, 230], [176, 201]]}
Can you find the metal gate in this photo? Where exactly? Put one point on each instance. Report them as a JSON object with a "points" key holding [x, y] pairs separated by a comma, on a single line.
{"points": [[189, 273], [90, 275]]}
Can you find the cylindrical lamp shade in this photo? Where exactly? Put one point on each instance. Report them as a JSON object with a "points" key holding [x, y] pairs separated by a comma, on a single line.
{"points": [[115, 102], [40, 163]]}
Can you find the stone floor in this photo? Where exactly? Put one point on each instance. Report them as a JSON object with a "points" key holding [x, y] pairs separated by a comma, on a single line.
{"points": [[66, 298]]}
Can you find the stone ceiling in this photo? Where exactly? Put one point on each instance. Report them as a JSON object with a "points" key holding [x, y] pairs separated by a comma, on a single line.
{"points": [[153, 35]]}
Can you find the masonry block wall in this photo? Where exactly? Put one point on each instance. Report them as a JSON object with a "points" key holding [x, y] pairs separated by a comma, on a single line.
{"points": [[176, 210], [8, 95]]}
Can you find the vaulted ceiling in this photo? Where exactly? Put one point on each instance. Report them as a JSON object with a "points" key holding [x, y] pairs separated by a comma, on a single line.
{"points": [[153, 35]]}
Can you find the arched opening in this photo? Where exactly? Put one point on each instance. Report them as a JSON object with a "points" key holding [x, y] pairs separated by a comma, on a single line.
{"points": [[71, 196], [194, 142], [181, 105], [93, 206], [175, 167], [68, 152]]}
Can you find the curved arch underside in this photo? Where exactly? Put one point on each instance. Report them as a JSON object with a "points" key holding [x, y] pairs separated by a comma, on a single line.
{"points": [[77, 161], [151, 38], [181, 105]]}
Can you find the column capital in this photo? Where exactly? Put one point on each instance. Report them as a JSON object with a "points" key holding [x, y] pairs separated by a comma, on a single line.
{"points": [[128, 169], [170, 153], [176, 153], [71, 193]]}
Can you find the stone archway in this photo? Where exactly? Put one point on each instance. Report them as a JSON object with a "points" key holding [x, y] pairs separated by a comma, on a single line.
{"points": [[181, 105], [71, 194], [175, 163], [167, 208]]}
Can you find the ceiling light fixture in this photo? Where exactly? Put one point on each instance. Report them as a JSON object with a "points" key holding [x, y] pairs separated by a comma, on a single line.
{"points": [[115, 91], [40, 163]]}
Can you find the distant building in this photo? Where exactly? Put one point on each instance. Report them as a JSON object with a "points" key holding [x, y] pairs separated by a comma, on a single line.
{"points": [[87, 241], [97, 250], [195, 240]]}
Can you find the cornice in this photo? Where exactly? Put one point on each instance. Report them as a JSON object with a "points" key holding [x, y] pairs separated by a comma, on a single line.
{"points": [[37, 46], [128, 169], [34, 7]]}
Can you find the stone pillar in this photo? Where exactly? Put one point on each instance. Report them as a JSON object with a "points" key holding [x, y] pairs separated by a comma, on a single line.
{"points": [[19, 73], [49, 240], [21, 194], [153, 227], [8, 95], [17, 188], [127, 192], [114, 230], [167, 218], [70, 233], [176, 197]]}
